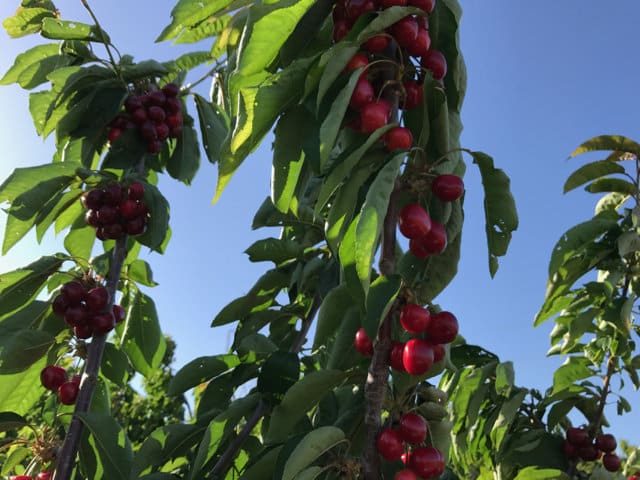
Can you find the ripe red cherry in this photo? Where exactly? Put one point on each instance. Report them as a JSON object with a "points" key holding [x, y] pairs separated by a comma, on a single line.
{"points": [[102, 322], [174, 121], [589, 453], [157, 98], [113, 230], [414, 94], [417, 356], [405, 474], [443, 327], [436, 241], [171, 90], [92, 199], [20, 477], [395, 356], [139, 116], [75, 315], [611, 462], [398, 138], [414, 318], [377, 43], [570, 450], [434, 60], [163, 131], [135, 191], [373, 116], [426, 5], [113, 134], [83, 331], [389, 444], [136, 226], [128, 209], [68, 392], [97, 298], [447, 187], [156, 114], [119, 313], [578, 436], [132, 103], [420, 47], [340, 29], [606, 442], [91, 217], [362, 95], [405, 31], [52, 377], [438, 352], [44, 476], [107, 214], [72, 292], [393, 3], [413, 428], [427, 462], [363, 342], [359, 60], [173, 105], [414, 221], [356, 8], [59, 305], [148, 131]]}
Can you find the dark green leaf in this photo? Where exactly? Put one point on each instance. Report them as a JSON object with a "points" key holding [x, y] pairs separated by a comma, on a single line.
{"points": [[214, 127], [591, 171], [143, 70], [331, 313], [115, 365], [312, 446], [185, 160], [19, 349], [278, 373], [11, 421], [612, 185], [274, 250], [333, 62], [607, 142], [500, 208], [201, 370], [158, 232], [382, 294]]}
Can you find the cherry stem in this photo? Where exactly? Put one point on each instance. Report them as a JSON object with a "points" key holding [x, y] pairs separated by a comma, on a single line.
{"points": [[105, 40], [226, 460]]}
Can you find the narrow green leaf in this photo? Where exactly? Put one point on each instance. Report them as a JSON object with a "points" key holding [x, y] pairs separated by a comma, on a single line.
{"points": [[608, 184], [19, 349], [505, 378], [371, 219], [274, 250], [313, 445], [382, 294], [607, 142], [591, 171], [499, 206], [333, 62], [11, 421], [331, 313], [574, 369], [201, 370], [214, 127]]}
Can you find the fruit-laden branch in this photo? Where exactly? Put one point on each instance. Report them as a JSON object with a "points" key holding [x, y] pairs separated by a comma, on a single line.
{"points": [[226, 460], [67, 455], [376, 386]]}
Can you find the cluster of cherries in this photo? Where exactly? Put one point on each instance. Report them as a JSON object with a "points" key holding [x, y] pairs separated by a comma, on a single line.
{"points": [[419, 461], [54, 378], [40, 476], [411, 37], [86, 311], [115, 211], [426, 236], [156, 115], [579, 445]]}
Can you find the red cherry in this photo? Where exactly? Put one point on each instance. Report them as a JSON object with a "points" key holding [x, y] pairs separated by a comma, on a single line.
{"points": [[417, 356], [418, 248], [570, 450], [128, 209], [414, 94], [413, 428], [136, 226], [363, 343], [395, 356], [426, 5], [59, 305], [393, 3], [68, 392], [373, 116], [611, 462], [91, 218], [438, 352], [113, 134], [359, 60], [398, 138], [44, 476], [436, 241], [139, 116], [443, 327], [405, 31], [75, 315], [414, 221], [423, 22], [356, 8], [102, 322], [377, 43], [157, 98], [132, 103], [119, 313], [72, 292], [92, 199], [101, 234], [83, 331], [340, 29], [427, 462], [589, 453], [420, 46], [113, 231], [414, 318], [578, 436], [389, 444], [156, 114], [174, 121], [148, 131], [107, 214], [175, 132], [173, 105], [20, 477], [135, 191], [606, 442], [362, 95], [97, 298], [113, 194], [171, 90], [405, 474], [154, 147], [163, 131], [434, 60], [447, 187], [76, 379], [52, 377]]}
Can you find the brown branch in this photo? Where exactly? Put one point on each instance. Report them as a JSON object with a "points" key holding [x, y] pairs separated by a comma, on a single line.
{"points": [[67, 455], [226, 460], [597, 421]]}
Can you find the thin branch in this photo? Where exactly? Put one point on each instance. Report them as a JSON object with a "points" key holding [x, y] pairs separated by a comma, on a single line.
{"points": [[105, 40]]}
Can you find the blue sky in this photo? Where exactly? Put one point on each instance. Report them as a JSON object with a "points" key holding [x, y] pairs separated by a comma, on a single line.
{"points": [[542, 79]]}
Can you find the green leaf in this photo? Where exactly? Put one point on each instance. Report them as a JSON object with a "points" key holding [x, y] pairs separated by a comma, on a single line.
{"points": [[189, 13], [505, 378], [608, 142], [185, 160], [331, 313], [274, 250], [17, 392], [499, 206], [109, 444], [574, 369], [342, 355], [301, 397], [19, 349], [591, 171], [26, 21], [289, 157], [35, 58], [214, 127], [347, 256], [158, 232], [11, 421], [140, 271], [608, 184], [535, 473], [53, 209], [383, 292], [19, 287], [201, 370], [507, 414], [142, 339], [55, 29], [115, 365], [278, 373], [143, 70], [79, 242], [371, 219], [333, 62], [311, 447]]}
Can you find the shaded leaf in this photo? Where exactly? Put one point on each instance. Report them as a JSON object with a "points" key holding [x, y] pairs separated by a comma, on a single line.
{"points": [[591, 171], [383, 292], [201, 370], [313, 445]]}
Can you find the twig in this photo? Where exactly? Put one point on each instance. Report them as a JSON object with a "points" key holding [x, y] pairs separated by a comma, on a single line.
{"points": [[105, 40]]}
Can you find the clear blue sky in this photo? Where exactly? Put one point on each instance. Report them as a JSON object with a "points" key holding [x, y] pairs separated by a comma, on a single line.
{"points": [[542, 78]]}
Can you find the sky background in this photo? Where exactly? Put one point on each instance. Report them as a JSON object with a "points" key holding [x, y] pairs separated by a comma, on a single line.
{"points": [[542, 79]]}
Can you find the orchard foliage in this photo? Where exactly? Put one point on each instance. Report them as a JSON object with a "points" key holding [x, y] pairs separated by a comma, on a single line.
{"points": [[363, 99]]}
